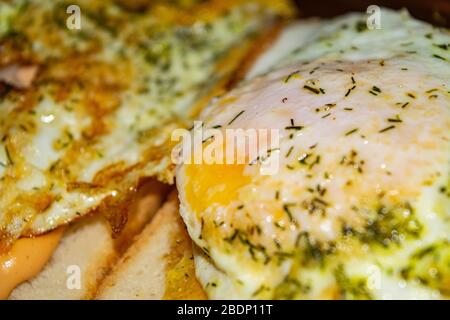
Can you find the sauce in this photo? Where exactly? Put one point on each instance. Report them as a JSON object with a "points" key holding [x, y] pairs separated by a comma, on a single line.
{"points": [[26, 259]]}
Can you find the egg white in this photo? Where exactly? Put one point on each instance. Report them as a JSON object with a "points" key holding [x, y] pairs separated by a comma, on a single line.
{"points": [[360, 206], [99, 115]]}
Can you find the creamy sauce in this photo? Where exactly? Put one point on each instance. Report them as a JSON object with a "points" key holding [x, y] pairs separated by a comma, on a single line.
{"points": [[26, 259]]}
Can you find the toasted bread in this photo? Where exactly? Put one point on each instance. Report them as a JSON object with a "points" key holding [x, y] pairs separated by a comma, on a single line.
{"points": [[159, 264], [89, 248]]}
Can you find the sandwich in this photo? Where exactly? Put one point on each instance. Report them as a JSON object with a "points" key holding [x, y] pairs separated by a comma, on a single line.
{"points": [[89, 93], [314, 161]]}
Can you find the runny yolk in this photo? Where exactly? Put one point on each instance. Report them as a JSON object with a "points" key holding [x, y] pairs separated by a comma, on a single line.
{"points": [[26, 259], [213, 184]]}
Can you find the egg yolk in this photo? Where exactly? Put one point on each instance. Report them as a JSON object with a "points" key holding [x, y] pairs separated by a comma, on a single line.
{"points": [[213, 184]]}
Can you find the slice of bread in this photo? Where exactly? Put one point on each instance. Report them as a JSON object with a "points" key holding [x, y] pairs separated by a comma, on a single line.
{"points": [[87, 251], [159, 264]]}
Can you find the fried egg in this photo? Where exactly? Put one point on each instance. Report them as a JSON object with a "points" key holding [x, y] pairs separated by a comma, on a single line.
{"points": [[359, 207], [100, 110]]}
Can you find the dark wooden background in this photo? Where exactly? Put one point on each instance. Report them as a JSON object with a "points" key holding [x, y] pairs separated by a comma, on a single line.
{"points": [[435, 11]]}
